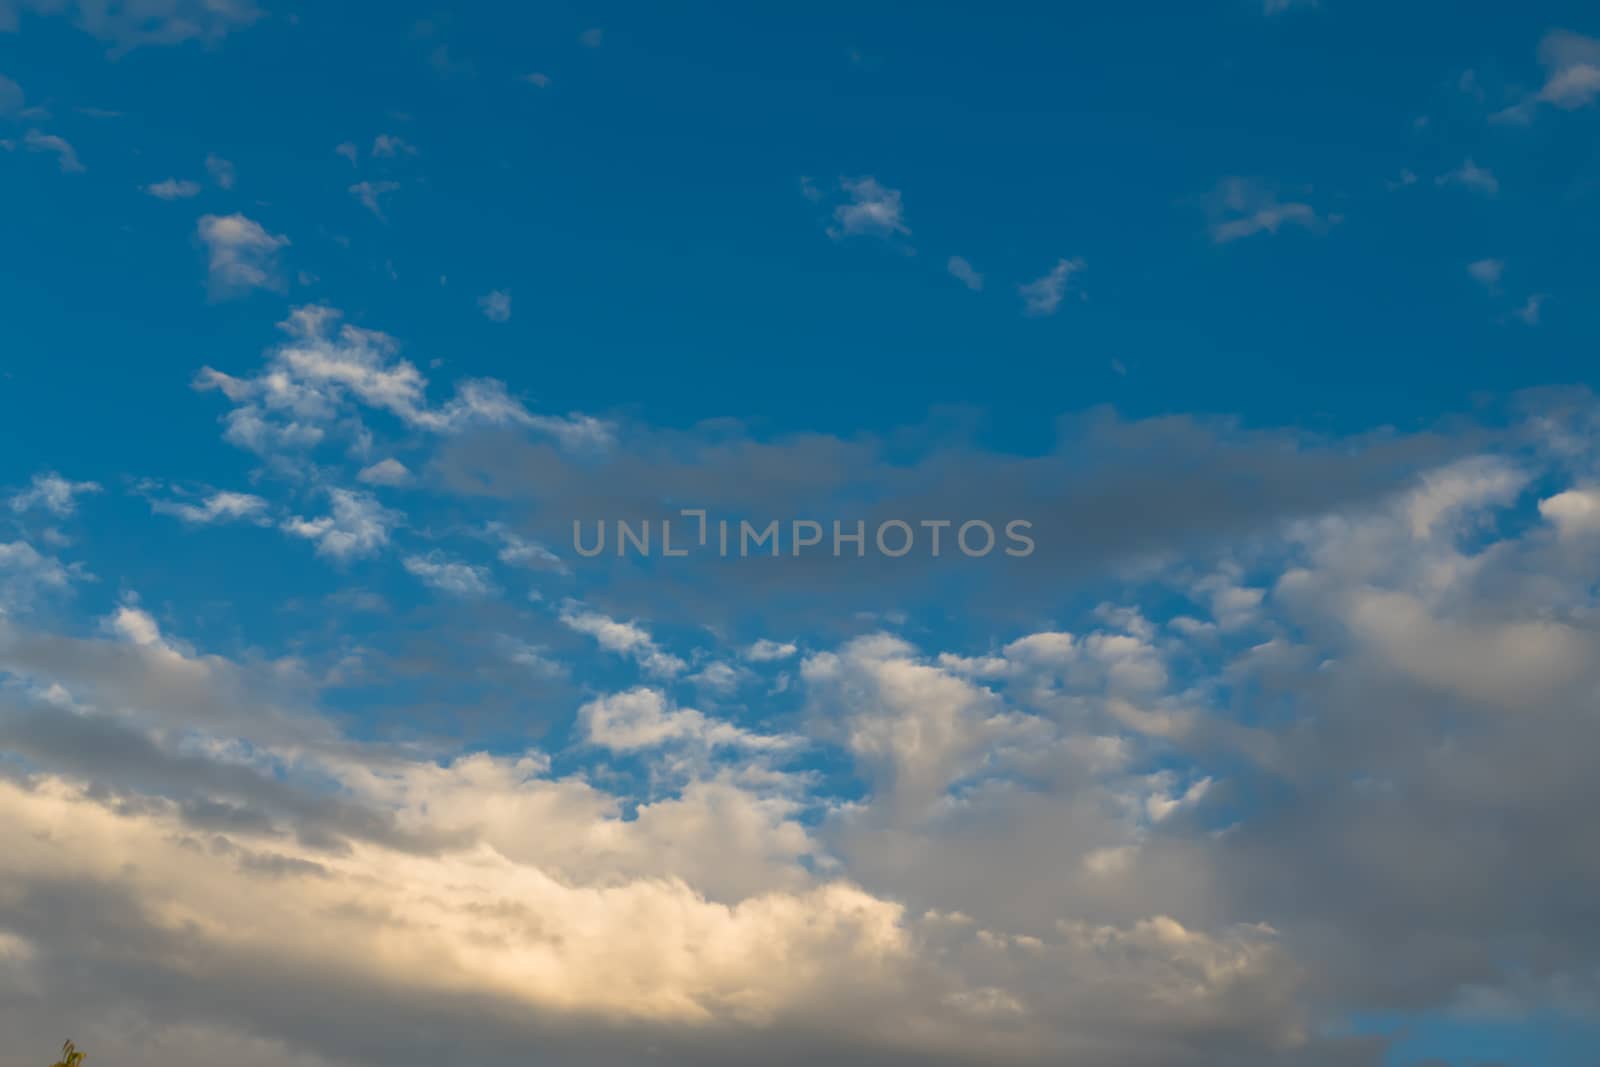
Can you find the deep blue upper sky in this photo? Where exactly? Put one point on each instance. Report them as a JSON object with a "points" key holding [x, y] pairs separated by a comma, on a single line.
{"points": [[643, 209]]}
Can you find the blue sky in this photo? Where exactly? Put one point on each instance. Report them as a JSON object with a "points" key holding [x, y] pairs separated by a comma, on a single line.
{"points": [[1273, 322]]}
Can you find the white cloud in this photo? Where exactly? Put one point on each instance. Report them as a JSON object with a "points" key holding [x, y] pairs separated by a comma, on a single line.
{"points": [[449, 576], [221, 171], [11, 97], [592, 38], [173, 189], [218, 507], [537, 79], [1043, 295], [356, 526], [871, 208], [1572, 69], [66, 155], [147, 22], [1242, 207], [768, 651], [390, 472], [624, 638], [1531, 309], [1487, 272], [519, 551], [496, 305], [919, 727], [24, 573], [1278, 7], [242, 254], [349, 151], [1472, 177], [963, 272], [370, 194], [328, 366], [641, 718], [388, 146], [52, 493], [1574, 513]]}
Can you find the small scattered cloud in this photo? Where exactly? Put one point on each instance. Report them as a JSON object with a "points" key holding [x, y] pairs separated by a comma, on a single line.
{"points": [[622, 637], [52, 493], [1278, 7], [1572, 69], [963, 272], [870, 208], [388, 146], [1571, 64], [592, 38], [1406, 179], [1487, 272], [496, 305], [356, 525], [243, 255], [66, 155], [217, 508], [1529, 313], [542, 81], [1243, 207], [222, 172], [173, 189], [126, 26], [519, 551], [1472, 177], [389, 472], [370, 195], [1043, 295], [449, 576], [349, 151], [11, 98], [767, 650]]}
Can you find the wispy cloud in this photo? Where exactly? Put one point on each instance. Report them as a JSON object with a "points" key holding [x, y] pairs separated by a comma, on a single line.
{"points": [[173, 189], [66, 155], [436, 571], [52, 493], [219, 507], [222, 172], [964, 273], [1471, 177], [1043, 295], [1244, 207], [242, 254], [496, 305], [1487, 272], [370, 193]]}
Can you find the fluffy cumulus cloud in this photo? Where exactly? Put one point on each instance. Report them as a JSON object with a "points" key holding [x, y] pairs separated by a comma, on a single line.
{"points": [[319, 383], [867, 842], [356, 525]]}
